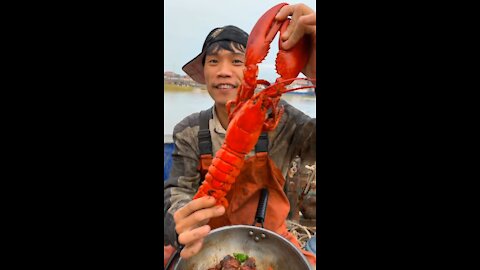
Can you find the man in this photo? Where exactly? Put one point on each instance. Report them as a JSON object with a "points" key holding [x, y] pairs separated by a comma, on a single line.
{"points": [[220, 67]]}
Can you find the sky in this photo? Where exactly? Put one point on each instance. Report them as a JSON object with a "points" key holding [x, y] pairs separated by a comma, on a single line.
{"points": [[187, 23]]}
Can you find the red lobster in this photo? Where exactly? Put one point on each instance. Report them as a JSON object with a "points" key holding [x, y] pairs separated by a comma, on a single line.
{"points": [[249, 118]]}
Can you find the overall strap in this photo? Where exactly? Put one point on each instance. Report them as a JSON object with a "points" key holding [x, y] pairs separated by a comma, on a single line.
{"points": [[262, 144], [261, 148], [205, 142]]}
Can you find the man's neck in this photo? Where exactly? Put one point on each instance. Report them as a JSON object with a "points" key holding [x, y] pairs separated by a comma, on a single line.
{"points": [[222, 115]]}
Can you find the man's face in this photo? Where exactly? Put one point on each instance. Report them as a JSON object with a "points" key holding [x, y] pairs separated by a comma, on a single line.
{"points": [[223, 72]]}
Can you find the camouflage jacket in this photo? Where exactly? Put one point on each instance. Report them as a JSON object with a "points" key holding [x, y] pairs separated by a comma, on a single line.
{"points": [[294, 136]]}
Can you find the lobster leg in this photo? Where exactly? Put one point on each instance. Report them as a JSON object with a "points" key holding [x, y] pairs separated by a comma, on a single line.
{"points": [[277, 111]]}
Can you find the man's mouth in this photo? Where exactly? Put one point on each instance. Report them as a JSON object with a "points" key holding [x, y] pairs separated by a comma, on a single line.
{"points": [[225, 86]]}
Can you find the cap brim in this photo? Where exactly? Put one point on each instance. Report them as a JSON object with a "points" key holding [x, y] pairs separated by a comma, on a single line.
{"points": [[194, 68]]}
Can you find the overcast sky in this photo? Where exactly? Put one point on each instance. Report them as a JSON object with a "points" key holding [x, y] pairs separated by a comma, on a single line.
{"points": [[187, 23]]}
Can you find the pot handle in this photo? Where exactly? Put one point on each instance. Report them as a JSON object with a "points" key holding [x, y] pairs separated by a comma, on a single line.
{"points": [[262, 207]]}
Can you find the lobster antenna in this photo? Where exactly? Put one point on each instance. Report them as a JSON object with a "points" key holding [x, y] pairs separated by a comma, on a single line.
{"points": [[275, 86]]}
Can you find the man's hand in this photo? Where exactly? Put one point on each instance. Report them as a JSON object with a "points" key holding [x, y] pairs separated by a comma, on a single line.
{"points": [[191, 223], [303, 23]]}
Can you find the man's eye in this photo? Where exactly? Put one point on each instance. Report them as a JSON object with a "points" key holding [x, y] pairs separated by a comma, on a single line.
{"points": [[237, 61]]}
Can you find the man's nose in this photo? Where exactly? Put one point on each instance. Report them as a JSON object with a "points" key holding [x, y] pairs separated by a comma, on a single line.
{"points": [[224, 70]]}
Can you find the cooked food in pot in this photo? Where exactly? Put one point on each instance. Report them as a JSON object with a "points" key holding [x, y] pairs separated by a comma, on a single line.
{"points": [[239, 261]]}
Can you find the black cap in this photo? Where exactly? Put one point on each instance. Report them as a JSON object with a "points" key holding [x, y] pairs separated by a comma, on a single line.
{"points": [[194, 68]]}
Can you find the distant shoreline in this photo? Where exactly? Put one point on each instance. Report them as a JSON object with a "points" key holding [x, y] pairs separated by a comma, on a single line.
{"points": [[170, 87], [176, 87]]}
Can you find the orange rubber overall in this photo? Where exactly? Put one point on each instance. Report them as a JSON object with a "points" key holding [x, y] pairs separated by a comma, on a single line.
{"points": [[259, 171]]}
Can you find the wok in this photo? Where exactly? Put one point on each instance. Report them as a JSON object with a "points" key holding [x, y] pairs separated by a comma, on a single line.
{"points": [[273, 250], [267, 247]]}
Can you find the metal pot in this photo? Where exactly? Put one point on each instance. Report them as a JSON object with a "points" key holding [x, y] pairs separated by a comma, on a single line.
{"points": [[268, 249]]}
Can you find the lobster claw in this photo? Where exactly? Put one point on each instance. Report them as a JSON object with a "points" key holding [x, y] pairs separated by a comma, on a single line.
{"points": [[290, 63], [262, 35], [258, 45]]}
